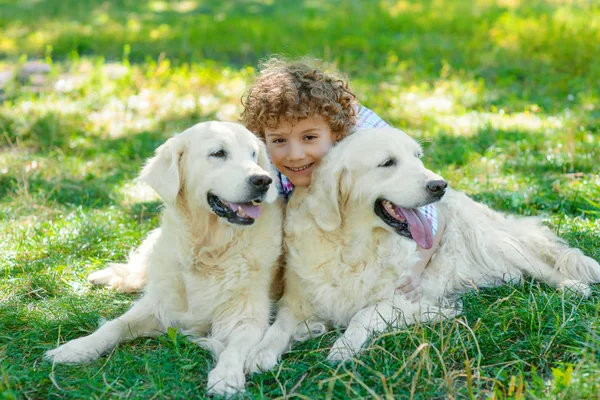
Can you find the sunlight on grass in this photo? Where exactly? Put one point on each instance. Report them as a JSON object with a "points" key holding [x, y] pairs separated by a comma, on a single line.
{"points": [[399, 7], [136, 192], [469, 124]]}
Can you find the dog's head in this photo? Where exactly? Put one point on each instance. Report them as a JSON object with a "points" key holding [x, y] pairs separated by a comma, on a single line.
{"points": [[219, 166], [378, 170]]}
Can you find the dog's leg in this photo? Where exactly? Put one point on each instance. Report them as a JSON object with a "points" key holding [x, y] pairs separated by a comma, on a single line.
{"points": [[138, 321], [396, 313], [228, 378], [131, 276], [570, 262], [375, 318], [265, 355], [126, 278], [561, 276], [577, 266]]}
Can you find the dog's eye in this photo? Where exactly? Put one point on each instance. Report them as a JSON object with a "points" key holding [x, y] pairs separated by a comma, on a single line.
{"points": [[419, 154], [254, 154], [390, 162], [219, 154]]}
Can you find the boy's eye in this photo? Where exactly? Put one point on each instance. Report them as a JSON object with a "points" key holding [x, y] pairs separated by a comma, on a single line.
{"points": [[279, 140], [310, 137], [390, 162], [219, 154]]}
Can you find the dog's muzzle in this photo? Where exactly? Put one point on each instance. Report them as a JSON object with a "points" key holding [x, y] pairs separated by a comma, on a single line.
{"points": [[246, 211]]}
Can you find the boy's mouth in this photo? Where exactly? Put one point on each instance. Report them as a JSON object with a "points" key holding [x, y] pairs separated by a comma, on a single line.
{"points": [[300, 169]]}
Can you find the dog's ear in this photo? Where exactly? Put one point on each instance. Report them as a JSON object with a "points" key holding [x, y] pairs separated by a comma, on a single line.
{"points": [[265, 163], [161, 172], [328, 193]]}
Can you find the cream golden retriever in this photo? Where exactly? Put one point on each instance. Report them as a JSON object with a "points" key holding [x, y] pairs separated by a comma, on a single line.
{"points": [[351, 238], [211, 263]]}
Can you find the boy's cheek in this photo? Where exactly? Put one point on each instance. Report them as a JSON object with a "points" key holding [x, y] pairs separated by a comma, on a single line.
{"points": [[273, 154]]}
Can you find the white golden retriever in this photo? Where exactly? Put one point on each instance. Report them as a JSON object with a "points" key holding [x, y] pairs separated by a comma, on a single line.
{"points": [[211, 263], [349, 244]]}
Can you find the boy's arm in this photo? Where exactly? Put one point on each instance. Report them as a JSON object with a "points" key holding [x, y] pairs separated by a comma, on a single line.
{"points": [[411, 285]]}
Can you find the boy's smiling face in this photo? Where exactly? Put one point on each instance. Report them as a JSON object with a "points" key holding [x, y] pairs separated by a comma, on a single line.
{"points": [[297, 148]]}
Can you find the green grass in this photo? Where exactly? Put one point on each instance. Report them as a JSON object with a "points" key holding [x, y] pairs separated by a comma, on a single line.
{"points": [[506, 91]]}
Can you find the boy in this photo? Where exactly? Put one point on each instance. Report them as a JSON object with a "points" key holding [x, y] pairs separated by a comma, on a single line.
{"points": [[301, 112]]}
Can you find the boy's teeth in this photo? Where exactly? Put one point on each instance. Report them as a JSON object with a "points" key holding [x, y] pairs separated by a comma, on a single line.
{"points": [[299, 169]]}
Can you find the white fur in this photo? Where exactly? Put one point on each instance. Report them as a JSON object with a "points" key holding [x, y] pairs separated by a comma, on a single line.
{"points": [[344, 263], [205, 276]]}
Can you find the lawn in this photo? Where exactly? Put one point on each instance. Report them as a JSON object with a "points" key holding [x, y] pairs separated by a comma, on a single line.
{"points": [[504, 93]]}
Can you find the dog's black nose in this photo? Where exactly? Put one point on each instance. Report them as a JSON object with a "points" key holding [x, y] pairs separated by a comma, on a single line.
{"points": [[261, 182], [437, 186]]}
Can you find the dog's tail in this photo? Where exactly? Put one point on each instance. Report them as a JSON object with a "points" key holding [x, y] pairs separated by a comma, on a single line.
{"points": [[127, 277]]}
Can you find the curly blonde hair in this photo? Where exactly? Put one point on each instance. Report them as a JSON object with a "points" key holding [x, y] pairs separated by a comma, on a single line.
{"points": [[294, 90]]}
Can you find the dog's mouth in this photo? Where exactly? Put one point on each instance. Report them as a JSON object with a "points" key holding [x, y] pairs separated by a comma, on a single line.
{"points": [[408, 222], [236, 213]]}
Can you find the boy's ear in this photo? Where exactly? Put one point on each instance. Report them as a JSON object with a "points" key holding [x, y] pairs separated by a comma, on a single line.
{"points": [[328, 193], [161, 172], [265, 163]]}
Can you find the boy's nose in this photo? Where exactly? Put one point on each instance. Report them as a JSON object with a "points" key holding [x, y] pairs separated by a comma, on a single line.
{"points": [[296, 152]]}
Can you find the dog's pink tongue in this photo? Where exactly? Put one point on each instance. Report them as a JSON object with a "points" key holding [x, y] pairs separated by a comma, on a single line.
{"points": [[249, 210], [420, 227]]}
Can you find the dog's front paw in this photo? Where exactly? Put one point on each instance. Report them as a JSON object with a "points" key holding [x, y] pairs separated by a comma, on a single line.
{"points": [[309, 330], [225, 381], [261, 358], [74, 352], [340, 351], [576, 287]]}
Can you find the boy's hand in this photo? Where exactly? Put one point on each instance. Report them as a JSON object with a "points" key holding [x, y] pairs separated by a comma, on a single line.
{"points": [[411, 285]]}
